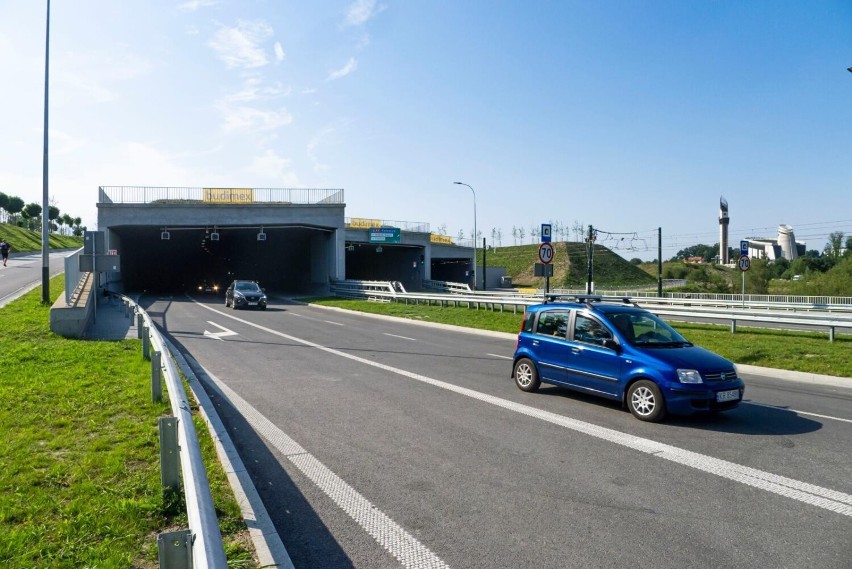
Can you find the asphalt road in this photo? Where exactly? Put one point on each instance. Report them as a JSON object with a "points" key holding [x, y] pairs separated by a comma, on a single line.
{"points": [[23, 273], [386, 444]]}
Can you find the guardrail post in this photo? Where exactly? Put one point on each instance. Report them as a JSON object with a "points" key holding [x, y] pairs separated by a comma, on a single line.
{"points": [[169, 454], [156, 379], [831, 333], [146, 343], [733, 326], [140, 320], [174, 549]]}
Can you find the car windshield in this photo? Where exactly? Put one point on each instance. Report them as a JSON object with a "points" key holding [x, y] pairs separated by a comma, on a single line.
{"points": [[646, 329], [247, 287]]}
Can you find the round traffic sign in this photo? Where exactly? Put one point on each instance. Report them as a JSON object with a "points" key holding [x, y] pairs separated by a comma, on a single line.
{"points": [[545, 253], [744, 263]]}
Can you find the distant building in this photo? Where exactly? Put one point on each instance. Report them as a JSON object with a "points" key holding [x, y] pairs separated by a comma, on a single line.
{"points": [[784, 246]]}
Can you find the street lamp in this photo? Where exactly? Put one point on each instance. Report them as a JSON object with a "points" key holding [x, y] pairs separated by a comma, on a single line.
{"points": [[474, 230]]}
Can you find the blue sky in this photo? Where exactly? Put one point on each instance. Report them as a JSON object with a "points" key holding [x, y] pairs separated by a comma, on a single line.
{"points": [[624, 115]]}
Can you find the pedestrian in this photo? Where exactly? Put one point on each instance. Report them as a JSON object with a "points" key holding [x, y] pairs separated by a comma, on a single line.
{"points": [[4, 250]]}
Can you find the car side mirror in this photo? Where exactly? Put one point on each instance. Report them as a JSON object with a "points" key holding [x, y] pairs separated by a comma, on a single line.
{"points": [[611, 344]]}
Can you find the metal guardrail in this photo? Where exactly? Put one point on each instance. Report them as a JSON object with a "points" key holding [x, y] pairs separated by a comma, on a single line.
{"points": [[147, 194], [73, 282], [204, 544], [446, 286], [758, 313]]}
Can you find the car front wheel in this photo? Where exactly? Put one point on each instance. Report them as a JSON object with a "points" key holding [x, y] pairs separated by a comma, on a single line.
{"points": [[526, 376], [646, 401]]}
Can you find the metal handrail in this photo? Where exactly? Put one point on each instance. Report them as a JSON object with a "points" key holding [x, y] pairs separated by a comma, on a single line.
{"points": [[208, 550]]}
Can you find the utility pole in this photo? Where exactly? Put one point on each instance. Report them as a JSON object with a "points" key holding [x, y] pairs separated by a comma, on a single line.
{"points": [[591, 244], [45, 211], [660, 261], [484, 272]]}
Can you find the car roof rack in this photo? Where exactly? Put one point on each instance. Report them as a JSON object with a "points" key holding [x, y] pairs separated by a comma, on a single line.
{"points": [[588, 299]]}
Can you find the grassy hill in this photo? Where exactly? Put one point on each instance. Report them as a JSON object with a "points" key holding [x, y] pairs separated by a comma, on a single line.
{"points": [[569, 266], [25, 240]]}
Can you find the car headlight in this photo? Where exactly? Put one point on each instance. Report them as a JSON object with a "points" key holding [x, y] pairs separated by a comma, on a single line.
{"points": [[689, 376], [263, 298], [238, 294]]}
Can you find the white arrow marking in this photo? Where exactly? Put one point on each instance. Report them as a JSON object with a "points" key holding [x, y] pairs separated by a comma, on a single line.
{"points": [[219, 335]]}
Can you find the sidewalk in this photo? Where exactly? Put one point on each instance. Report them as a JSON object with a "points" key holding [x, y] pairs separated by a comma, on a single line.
{"points": [[111, 322]]}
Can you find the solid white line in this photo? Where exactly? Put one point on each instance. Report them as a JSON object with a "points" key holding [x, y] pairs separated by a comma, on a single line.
{"points": [[798, 412], [403, 337], [390, 535], [826, 498], [499, 356]]}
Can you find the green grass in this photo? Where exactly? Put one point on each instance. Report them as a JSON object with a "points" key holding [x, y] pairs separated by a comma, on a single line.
{"points": [[570, 266], [797, 351], [25, 240], [80, 482]]}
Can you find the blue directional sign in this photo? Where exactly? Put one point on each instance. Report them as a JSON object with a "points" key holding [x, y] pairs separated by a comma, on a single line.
{"points": [[743, 247], [546, 231]]}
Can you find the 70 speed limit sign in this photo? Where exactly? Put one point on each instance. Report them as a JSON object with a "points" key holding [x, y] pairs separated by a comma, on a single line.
{"points": [[545, 253]]}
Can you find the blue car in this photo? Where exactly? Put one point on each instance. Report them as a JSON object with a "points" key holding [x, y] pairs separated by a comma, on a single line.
{"points": [[614, 349]]}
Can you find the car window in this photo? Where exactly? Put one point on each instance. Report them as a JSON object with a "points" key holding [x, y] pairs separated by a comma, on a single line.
{"points": [[590, 331], [247, 286], [552, 323], [650, 330]]}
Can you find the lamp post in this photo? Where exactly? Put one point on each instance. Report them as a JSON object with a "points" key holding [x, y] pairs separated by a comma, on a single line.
{"points": [[45, 205], [474, 230]]}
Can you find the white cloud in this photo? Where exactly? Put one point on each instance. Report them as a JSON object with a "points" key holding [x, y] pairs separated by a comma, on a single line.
{"points": [[279, 51], [276, 169], [361, 11], [191, 30], [95, 73], [242, 118], [350, 66], [254, 90], [195, 5], [324, 137], [240, 46], [63, 143]]}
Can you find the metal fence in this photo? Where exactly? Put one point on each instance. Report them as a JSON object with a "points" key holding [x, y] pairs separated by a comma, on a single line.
{"points": [[688, 310], [73, 283], [147, 194], [201, 547], [412, 226]]}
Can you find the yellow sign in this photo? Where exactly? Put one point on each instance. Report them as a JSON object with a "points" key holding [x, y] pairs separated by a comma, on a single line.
{"points": [[229, 195], [362, 223], [445, 239]]}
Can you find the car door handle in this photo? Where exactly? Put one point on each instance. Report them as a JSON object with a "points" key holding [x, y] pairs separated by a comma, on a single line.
{"points": [[535, 342], [576, 350]]}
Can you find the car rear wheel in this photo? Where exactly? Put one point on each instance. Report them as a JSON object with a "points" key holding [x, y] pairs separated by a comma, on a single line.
{"points": [[526, 376], [645, 401]]}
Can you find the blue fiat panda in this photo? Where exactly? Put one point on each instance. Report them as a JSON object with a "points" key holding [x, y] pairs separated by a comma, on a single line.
{"points": [[611, 348]]}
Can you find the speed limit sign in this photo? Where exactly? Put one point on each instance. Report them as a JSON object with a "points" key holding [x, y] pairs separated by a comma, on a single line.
{"points": [[744, 263], [545, 253]]}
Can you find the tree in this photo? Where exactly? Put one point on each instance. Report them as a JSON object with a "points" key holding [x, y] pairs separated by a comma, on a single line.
{"points": [[635, 261], [15, 206], [4, 206], [521, 234], [835, 243], [848, 251], [31, 212]]}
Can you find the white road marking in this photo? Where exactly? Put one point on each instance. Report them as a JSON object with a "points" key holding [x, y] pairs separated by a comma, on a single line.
{"points": [[798, 412], [330, 322], [499, 356], [826, 498], [390, 535], [403, 337], [219, 335]]}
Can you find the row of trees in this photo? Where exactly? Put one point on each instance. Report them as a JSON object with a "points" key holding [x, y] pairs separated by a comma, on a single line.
{"points": [[559, 231], [14, 211]]}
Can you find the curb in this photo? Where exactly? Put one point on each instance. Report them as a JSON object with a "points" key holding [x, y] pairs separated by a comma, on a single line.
{"points": [[267, 543], [768, 372]]}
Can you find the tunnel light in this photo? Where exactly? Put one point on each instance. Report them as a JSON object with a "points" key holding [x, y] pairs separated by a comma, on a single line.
{"points": [[214, 236], [261, 236], [164, 235], [379, 249]]}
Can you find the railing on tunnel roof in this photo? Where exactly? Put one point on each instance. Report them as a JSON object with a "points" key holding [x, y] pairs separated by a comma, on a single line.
{"points": [[369, 223], [148, 194]]}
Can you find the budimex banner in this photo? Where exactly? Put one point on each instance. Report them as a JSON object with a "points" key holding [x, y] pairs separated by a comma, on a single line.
{"points": [[229, 195]]}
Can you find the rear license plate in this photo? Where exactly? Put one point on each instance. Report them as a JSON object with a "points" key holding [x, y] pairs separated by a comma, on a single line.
{"points": [[732, 395], [252, 304]]}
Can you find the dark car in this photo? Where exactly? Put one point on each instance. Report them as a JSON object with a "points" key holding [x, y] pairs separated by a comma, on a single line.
{"points": [[207, 287], [614, 349], [245, 294]]}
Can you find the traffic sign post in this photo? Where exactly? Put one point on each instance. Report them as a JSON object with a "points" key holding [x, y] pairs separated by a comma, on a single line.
{"points": [[545, 255], [744, 264]]}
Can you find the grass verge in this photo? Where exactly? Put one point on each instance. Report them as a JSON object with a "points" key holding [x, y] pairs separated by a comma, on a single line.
{"points": [[797, 351], [80, 482]]}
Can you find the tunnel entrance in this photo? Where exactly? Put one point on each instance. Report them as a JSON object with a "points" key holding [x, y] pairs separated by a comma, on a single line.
{"points": [[285, 259], [368, 261]]}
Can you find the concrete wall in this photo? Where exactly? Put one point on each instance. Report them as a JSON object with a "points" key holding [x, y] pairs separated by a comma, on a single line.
{"points": [[72, 321]]}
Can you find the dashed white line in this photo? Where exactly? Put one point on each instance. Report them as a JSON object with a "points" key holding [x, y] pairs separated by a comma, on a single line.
{"points": [[499, 356], [798, 412], [402, 337], [330, 322]]}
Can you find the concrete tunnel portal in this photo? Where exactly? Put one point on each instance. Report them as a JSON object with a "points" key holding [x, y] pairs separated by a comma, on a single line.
{"points": [[281, 262]]}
